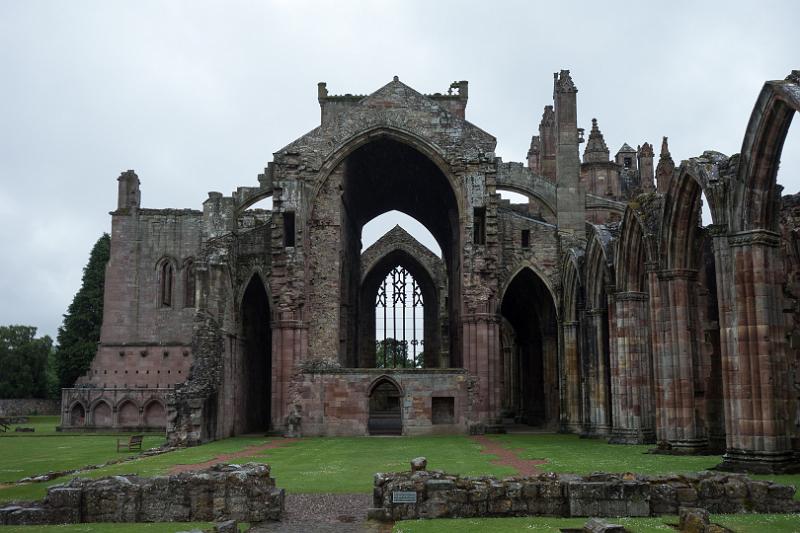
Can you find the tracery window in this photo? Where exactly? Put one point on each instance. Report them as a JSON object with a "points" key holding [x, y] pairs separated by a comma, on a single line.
{"points": [[399, 322]]}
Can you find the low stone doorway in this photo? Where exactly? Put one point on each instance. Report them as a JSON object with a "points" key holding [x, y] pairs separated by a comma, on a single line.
{"points": [[385, 417]]}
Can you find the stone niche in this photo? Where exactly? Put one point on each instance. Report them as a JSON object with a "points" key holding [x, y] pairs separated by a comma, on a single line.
{"points": [[434, 494], [245, 493]]}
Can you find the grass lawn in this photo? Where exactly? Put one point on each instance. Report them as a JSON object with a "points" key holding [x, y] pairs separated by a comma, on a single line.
{"points": [[348, 464], [571, 454], [739, 523]]}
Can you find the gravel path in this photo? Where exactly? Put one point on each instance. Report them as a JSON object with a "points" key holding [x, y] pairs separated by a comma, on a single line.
{"points": [[310, 513], [506, 457]]}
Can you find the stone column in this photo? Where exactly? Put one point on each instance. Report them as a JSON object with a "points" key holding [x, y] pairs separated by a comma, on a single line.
{"points": [[631, 373], [675, 351], [482, 359], [754, 363], [571, 414], [597, 417], [289, 347]]}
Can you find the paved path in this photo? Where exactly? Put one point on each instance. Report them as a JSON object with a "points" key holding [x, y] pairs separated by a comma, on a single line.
{"points": [[226, 458], [506, 457], [311, 513]]}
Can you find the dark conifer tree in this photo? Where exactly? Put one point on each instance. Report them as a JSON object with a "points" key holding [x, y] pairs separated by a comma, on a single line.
{"points": [[80, 332]]}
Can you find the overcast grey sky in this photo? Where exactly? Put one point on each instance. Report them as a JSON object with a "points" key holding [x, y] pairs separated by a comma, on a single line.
{"points": [[195, 96]]}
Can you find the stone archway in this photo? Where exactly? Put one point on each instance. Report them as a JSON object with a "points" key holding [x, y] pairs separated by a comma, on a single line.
{"points": [[529, 309], [383, 174], [254, 392]]}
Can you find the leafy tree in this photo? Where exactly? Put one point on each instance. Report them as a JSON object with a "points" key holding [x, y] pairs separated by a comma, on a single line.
{"points": [[390, 353], [80, 332], [23, 360]]}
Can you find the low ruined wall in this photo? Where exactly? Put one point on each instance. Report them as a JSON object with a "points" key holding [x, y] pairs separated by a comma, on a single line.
{"points": [[223, 492], [439, 495], [28, 406]]}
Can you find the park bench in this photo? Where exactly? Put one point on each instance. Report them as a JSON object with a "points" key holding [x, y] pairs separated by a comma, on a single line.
{"points": [[134, 443]]}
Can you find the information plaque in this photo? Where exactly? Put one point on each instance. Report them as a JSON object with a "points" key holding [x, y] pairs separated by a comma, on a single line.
{"points": [[404, 496]]}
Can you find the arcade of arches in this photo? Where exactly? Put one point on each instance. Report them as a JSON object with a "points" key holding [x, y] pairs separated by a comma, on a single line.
{"points": [[599, 305]]}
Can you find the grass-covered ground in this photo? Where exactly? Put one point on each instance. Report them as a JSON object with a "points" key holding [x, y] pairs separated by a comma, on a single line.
{"points": [[347, 465], [738, 523]]}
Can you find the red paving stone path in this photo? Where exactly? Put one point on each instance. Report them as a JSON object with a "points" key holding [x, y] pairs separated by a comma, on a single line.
{"points": [[224, 458], [506, 457]]}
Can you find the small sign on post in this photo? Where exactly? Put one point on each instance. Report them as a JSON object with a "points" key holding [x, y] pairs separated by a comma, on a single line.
{"points": [[404, 496]]}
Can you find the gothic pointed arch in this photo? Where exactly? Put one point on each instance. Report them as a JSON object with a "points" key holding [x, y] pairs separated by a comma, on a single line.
{"points": [[572, 302], [596, 354], [755, 197], [529, 309]]}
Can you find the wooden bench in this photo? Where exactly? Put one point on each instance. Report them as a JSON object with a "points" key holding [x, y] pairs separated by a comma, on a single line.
{"points": [[134, 444]]}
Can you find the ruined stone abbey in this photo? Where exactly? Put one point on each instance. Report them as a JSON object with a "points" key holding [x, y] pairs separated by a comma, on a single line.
{"points": [[602, 306]]}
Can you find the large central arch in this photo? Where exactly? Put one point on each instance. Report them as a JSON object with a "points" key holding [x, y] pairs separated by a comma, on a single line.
{"points": [[376, 173]]}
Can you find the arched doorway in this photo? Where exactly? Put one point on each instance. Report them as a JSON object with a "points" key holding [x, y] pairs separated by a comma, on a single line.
{"points": [[382, 175], [529, 310], [256, 361], [385, 416]]}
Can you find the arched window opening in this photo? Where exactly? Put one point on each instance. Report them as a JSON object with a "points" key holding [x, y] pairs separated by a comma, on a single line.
{"points": [[512, 197], [188, 283], [166, 281], [705, 215], [399, 322], [380, 225], [257, 215]]}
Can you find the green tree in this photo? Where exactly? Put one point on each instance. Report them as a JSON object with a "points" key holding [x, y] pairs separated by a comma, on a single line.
{"points": [[80, 332], [23, 360], [391, 353]]}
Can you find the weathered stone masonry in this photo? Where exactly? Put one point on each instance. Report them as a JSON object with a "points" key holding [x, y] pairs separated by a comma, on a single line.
{"points": [[601, 306]]}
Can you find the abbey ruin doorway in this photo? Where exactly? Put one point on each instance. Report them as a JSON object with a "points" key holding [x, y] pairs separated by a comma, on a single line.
{"points": [[384, 409], [381, 176], [256, 360], [531, 346]]}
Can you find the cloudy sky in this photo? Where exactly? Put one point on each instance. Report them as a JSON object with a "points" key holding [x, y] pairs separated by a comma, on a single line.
{"points": [[195, 96]]}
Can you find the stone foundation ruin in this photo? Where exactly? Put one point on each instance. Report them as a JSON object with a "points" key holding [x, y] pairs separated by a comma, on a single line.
{"points": [[434, 494], [245, 493]]}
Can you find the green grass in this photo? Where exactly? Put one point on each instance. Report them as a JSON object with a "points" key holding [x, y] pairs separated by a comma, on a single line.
{"points": [[27, 456], [45, 426], [786, 523], [348, 464], [569, 453], [146, 466]]}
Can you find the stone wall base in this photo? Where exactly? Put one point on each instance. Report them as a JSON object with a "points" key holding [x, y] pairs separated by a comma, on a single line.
{"points": [[632, 436], [223, 492], [439, 495], [759, 462]]}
